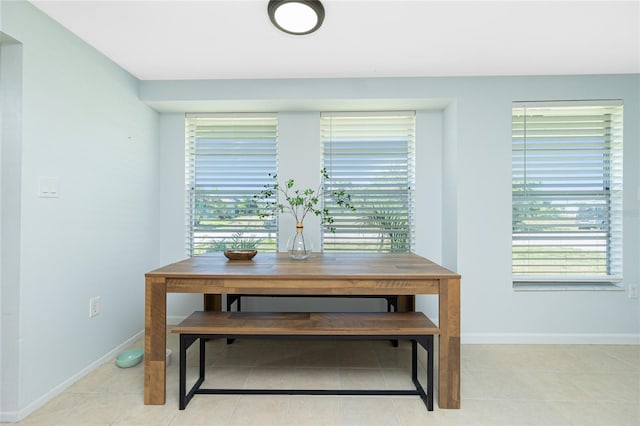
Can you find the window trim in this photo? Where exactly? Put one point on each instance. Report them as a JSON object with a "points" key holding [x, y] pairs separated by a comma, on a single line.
{"points": [[614, 280]]}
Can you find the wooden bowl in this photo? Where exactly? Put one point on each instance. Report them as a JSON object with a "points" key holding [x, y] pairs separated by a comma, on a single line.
{"points": [[240, 254]]}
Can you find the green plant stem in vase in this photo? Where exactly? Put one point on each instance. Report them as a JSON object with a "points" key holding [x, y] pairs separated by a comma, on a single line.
{"points": [[299, 203]]}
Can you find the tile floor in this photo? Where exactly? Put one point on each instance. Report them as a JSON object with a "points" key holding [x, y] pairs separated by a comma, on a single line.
{"points": [[501, 385]]}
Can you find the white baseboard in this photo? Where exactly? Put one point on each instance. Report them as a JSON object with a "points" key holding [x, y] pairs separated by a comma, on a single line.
{"points": [[16, 416], [9, 416], [549, 339]]}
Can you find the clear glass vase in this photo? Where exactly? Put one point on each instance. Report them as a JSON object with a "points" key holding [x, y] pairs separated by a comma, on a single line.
{"points": [[299, 245]]}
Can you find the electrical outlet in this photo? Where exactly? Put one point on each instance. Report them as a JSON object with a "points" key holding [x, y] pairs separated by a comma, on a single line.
{"points": [[94, 306], [632, 290]]}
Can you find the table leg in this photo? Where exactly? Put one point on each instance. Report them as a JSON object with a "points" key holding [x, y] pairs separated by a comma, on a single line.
{"points": [[213, 302], [155, 341], [406, 303], [449, 350]]}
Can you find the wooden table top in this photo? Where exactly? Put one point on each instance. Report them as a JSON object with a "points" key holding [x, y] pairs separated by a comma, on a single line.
{"points": [[318, 265]]}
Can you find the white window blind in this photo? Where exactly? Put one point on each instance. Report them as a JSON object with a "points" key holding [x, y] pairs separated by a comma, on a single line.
{"points": [[228, 161], [371, 156], [567, 192]]}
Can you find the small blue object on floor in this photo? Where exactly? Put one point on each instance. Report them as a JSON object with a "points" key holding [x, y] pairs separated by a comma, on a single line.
{"points": [[129, 358]]}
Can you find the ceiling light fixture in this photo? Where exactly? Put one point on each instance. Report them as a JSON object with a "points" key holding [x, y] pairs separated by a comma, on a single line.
{"points": [[296, 17]]}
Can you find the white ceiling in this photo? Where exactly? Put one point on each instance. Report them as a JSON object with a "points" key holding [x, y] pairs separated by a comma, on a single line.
{"points": [[222, 39]]}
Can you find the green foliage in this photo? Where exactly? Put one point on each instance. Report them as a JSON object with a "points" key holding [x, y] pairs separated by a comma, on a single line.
{"points": [[213, 246], [299, 202], [536, 216], [238, 242], [208, 206], [391, 227]]}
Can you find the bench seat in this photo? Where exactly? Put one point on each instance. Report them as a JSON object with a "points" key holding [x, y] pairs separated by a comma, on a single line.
{"points": [[413, 326]]}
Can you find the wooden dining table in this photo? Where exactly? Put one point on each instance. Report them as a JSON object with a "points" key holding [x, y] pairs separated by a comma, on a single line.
{"points": [[323, 274]]}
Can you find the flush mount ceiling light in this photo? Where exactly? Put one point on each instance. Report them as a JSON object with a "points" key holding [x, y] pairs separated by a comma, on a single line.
{"points": [[297, 17]]}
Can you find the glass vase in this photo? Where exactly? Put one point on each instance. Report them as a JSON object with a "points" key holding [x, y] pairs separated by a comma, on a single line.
{"points": [[299, 245]]}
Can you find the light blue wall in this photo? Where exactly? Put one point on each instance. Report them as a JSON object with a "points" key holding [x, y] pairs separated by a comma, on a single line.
{"points": [[10, 178], [466, 124], [82, 123], [120, 211]]}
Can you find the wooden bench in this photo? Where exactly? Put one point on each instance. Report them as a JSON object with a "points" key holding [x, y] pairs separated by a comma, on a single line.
{"points": [[392, 302], [413, 326]]}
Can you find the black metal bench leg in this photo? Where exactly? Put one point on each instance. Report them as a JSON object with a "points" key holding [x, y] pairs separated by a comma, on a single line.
{"points": [[427, 343], [430, 372], [202, 359], [185, 341], [230, 299], [414, 361], [183, 372], [392, 306]]}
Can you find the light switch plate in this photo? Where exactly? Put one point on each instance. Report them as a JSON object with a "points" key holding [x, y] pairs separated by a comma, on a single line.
{"points": [[48, 187]]}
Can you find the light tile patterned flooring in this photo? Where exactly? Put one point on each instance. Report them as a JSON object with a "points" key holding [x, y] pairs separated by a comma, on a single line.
{"points": [[501, 385]]}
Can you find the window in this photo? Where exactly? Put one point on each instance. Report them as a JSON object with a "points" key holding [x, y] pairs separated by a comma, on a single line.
{"points": [[567, 192], [371, 155], [228, 159]]}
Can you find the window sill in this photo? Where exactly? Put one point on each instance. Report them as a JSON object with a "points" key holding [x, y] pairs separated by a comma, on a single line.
{"points": [[560, 286]]}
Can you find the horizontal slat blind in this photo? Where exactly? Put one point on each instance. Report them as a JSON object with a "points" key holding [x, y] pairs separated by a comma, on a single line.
{"points": [[567, 193], [371, 156], [229, 159]]}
